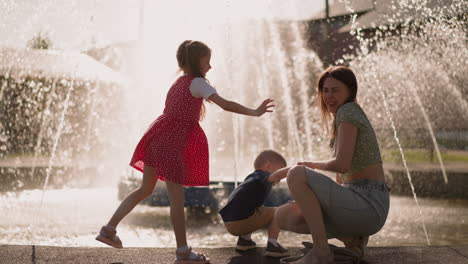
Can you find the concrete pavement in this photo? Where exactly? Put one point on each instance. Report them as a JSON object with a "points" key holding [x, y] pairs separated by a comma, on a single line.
{"points": [[19, 254]]}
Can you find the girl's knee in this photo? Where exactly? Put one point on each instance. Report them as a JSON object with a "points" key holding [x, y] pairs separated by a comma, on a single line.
{"points": [[296, 175], [144, 192]]}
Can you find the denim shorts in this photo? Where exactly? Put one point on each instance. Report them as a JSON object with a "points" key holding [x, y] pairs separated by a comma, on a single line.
{"points": [[358, 208]]}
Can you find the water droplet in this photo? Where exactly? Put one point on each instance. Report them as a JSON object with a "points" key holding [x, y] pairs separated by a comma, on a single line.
{"points": [[3, 138], [207, 210]]}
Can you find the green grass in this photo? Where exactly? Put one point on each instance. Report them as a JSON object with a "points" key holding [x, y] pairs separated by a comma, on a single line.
{"points": [[423, 156]]}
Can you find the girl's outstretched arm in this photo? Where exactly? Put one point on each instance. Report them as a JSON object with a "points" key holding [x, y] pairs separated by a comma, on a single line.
{"points": [[240, 109]]}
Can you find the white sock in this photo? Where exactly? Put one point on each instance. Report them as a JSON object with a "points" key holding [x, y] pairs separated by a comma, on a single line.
{"points": [[247, 237], [273, 241], [182, 248], [192, 256], [111, 228]]}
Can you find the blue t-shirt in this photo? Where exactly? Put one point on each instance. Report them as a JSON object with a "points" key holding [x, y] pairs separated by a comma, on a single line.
{"points": [[249, 195]]}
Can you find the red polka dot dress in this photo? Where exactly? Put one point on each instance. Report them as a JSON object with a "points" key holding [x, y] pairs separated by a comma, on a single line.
{"points": [[175, 144]]}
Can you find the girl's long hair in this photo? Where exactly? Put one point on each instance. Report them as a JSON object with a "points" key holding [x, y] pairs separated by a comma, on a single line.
{"points": [[188, 55], [344, 75]]}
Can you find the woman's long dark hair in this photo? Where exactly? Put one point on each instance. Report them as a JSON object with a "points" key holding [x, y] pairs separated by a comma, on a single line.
{"points": [[344, 75]]}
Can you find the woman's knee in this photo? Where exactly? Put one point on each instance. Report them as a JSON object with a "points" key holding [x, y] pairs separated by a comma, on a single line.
{"points": [[288, 215], [282, 215], [295, 213], [296, 175]]}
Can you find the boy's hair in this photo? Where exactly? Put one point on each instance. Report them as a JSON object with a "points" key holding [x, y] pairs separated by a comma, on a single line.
{"points": [[268, 156], [189, 54]]}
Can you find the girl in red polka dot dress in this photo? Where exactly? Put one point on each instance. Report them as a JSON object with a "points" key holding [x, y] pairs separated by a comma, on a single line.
{"points": [[174, 149]]}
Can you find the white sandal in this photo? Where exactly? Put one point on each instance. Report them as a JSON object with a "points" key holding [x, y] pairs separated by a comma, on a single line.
{"points": [[190, 257], [109, 237]]}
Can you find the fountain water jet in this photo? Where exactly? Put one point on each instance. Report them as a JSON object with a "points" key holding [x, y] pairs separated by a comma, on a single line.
{"points": [[57, 139], [285, 76], [431, 131], [44, 115], [404, 162]]}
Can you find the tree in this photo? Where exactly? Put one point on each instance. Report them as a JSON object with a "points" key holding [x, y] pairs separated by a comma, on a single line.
{"points": [[40, 41]]}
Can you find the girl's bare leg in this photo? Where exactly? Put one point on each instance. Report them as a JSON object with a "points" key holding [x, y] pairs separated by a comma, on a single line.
{"points": [[311, 210], [176, 198], [145, 190]]}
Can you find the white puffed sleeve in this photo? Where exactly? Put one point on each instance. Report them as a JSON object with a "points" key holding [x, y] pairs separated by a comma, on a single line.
{"points": [[201, 88]]}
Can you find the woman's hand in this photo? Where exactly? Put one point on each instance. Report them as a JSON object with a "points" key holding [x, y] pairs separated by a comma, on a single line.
{"points": [[308, 164], [264, 107]]}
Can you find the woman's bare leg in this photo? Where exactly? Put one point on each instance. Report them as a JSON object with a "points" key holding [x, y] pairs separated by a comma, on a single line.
{"points": [[289, 217], [346, 240], [357, 244], [273, 228], [311, 210], [177, 198], [127, 205]]}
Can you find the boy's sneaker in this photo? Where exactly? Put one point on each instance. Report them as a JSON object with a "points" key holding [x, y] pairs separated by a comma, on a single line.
{"points": [[276, 251], [244, 244]]}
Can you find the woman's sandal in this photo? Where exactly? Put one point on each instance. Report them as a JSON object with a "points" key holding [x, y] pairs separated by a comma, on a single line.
{"points": [[190, 257], [346, 255], [342, 255], [290, 259], [109, 237], [296, 258], [360, 246]]}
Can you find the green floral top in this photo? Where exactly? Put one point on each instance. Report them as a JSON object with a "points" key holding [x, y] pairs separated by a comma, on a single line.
{"points": [[366, 150]]}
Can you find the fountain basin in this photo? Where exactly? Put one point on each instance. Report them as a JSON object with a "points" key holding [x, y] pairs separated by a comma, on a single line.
{"points": [[428, 181], [26, 177], [209, 198]]}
